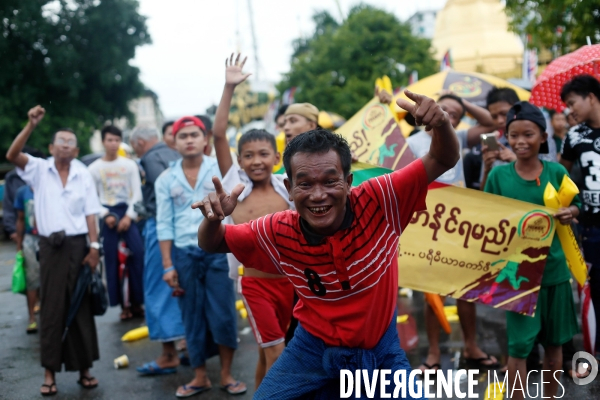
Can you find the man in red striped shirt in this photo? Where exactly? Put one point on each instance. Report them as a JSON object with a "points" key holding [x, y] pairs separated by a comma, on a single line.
{"points": [[339, 250]]}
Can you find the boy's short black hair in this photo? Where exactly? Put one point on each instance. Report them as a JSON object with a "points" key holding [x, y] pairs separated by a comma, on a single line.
{"points": [[254, 135], [166, 125], [497, 95], [553, 112], [113, 130], [457, 99], [63, 130], [281, 111], [318, 141], [581, 85], [206, 121]]}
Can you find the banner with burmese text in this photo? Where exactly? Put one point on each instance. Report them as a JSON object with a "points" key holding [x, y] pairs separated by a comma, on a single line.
{"points": [[469, 245], [477, 247]]}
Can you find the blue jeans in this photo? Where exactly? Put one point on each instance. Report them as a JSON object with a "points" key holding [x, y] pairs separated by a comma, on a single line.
{"points": [[163, 315], [208, 304], [591, 250], [309, 369]]}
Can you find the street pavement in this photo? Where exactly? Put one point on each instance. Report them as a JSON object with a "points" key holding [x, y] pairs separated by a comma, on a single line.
{"points": [[21, 374]]}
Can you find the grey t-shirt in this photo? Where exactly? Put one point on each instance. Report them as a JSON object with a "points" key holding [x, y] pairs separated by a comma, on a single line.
{"points": [[154, 162], [419, 144]]}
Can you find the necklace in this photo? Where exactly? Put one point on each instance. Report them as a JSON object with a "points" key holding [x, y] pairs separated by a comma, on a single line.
{"points": [[192, 178]]}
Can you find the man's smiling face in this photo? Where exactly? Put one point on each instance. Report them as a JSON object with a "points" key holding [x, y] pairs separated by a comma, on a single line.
{"points": [[319, 190]]}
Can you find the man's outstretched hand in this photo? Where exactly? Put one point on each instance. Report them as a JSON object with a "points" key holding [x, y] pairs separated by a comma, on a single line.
{"points": [[426, 111], [233, 70], [218, 205]]}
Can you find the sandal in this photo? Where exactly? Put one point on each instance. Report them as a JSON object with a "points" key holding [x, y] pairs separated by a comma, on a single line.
{"points": [[87, 379], [230, 388], [480, 362], [32, 328], [126, 315], [436, 367], [194, 390], [49, 392]]}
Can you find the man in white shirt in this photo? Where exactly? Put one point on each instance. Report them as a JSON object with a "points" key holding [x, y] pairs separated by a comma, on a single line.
{"points": [[119, 187], [65, 208]]}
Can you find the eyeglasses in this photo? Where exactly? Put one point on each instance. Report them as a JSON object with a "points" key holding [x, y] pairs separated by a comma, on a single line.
{"points": [[69, 142], [184, 136]]}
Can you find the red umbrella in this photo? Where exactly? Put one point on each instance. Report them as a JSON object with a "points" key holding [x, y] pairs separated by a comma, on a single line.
{"points": [[588, 319], [546, 91]]}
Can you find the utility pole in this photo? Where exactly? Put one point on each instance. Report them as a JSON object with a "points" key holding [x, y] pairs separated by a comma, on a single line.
{"points": [[254, 44], [340, 10]]}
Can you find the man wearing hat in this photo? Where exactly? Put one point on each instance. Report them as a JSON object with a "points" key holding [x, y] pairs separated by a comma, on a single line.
{"points": [[300, 118], [525, 179], [200, 280]]}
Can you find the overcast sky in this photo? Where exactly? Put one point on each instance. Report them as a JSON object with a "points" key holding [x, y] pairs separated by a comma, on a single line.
{"points": [[191, 38]]}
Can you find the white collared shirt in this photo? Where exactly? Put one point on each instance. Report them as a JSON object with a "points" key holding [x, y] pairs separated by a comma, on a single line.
{"points": [[60, 208]]}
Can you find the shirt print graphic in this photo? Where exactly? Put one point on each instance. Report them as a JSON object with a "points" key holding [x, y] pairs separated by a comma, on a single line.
{"points": [[584, 136], [114, 183]]}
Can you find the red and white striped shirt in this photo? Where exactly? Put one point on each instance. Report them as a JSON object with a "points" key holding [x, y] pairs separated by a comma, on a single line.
{"points": [[347, 284]]}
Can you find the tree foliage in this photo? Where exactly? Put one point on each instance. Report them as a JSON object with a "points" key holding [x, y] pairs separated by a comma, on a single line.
{"points": [[71, 57], [336, 68], [562, 25]]}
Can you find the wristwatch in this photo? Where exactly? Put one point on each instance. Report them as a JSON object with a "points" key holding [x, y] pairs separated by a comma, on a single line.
{"points": [[95, 245]]}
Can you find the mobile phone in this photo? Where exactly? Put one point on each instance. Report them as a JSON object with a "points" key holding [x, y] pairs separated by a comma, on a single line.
{"points": [[489, 139]]}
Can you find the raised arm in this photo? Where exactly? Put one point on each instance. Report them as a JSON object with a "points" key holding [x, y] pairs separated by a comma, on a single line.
{"points": [[215, 207], [444, 151], [15, 154], [485, 123], [233, 77]]}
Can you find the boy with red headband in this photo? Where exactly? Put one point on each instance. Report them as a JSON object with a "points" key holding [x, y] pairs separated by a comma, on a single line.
{"points": [[200, 280]]}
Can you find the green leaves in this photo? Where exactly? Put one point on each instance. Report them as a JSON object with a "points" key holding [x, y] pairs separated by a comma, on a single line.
{"points": [[559, 25], [336, 68], [72, 57]]}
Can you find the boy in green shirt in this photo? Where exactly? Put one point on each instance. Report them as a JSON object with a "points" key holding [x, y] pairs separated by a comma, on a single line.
{"points": [[525, 179]]}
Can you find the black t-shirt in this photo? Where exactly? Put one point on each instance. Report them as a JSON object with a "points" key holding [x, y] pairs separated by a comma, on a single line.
{"points": [[582, 144]]}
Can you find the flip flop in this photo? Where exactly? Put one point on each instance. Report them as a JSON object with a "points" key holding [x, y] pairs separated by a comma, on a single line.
{"points": [[152, 368], [479, 362], [229, 388], [87, 379], [32, 328], [49, 392], [194, 391], [436, 367]]}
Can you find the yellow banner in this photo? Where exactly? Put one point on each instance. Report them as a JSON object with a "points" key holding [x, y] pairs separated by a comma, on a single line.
{"points": [[477, 247], [375, 137]]}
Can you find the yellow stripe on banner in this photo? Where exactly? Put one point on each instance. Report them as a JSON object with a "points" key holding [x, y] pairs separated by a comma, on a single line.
{"points": [[400, 153], [535, 289]]}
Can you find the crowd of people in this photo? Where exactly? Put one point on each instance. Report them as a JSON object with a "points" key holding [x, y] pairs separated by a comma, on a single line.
{"points": [[313, 258]]}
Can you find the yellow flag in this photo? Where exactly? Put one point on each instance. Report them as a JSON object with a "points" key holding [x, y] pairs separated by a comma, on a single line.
{"points": [[556, 200]]}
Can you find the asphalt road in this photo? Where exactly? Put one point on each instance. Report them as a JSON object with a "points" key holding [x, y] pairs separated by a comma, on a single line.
{"points": [[21, 374]]}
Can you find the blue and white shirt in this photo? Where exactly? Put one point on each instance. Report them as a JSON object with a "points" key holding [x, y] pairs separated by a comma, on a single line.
{"points": [[175, 219]]}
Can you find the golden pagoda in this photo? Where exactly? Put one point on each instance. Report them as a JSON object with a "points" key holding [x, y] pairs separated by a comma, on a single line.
{"points": [[477, 35]]}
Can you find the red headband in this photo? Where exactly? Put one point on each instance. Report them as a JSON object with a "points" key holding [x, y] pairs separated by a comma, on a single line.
{"points": [[187, 121]]}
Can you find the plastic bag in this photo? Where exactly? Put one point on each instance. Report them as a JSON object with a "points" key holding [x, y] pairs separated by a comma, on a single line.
{"points": [[19, 283]]}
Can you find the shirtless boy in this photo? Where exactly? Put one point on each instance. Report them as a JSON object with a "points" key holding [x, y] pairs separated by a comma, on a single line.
{"points": [[268, 297]]}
